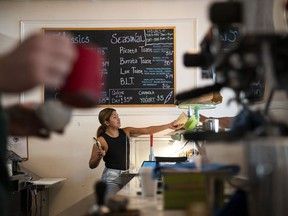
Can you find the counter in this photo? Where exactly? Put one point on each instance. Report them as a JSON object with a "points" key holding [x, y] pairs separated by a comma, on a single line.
{"points": [[184, 188], [146, 206]]}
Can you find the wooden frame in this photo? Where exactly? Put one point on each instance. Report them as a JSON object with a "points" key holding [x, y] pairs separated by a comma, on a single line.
{"points": [[186, 31]]}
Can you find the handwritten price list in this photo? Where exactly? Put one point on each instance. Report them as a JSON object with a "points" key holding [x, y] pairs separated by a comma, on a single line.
{"points": [[139, 66]]}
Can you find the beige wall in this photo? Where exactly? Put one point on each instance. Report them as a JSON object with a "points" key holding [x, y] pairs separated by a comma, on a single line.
{"points": [[67, 156]]}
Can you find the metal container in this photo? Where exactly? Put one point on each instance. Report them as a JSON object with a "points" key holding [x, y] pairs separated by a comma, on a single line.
{"points": [[211, 125]]}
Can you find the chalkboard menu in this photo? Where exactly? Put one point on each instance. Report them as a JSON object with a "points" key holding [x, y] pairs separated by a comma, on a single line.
{"points": [[139, 66]]}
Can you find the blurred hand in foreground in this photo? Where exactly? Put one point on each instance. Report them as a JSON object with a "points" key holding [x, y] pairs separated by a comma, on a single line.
{"points": [[40, 59]]}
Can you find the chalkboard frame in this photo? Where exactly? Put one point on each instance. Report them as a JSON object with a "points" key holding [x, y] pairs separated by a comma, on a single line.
{"points": [[173, 88]]}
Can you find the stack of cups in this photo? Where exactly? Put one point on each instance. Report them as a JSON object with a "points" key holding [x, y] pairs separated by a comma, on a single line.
{"points": [[191, 124], [148, 183]]}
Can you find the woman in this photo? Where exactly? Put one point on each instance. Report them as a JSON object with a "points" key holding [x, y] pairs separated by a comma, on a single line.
{"points": [[114, 147]]}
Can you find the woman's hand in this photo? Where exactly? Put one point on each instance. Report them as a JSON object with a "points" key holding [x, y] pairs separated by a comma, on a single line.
{"points": [[174, 126], [97, 154], [100, 153]]}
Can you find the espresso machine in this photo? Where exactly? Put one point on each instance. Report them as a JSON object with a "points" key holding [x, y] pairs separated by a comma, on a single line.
{"points": [[255, 67]]}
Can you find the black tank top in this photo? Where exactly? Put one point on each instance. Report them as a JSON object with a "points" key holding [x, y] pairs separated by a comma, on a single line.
{"points": [[118, 154]]}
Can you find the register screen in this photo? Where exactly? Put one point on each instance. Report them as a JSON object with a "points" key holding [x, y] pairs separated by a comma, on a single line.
{"points": [[148, 164]]}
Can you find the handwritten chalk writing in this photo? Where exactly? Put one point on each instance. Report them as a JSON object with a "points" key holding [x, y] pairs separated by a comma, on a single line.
{"points": [[105, 63], [165, 86], [160, 37], [160, 98], [121, 100], [168, 97], [154, 31], [127, 81], [145, 61], [127, 61], [103, 100], [167, 76], [104, 71], [102, 50], [138, 63], [168, 62], [146, 49], [80, 39], [135, 38], [148, 40], [141, 92], [124, 72], [136, 71], [124, 50], [147, 100], [169, 53], [127, 99], [117, 92]]}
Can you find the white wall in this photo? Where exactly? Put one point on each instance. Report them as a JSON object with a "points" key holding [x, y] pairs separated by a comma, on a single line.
{"points": [[67, 156]]}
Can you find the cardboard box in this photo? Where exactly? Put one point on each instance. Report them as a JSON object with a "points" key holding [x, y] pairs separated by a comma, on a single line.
{"points": [[182, 189]]}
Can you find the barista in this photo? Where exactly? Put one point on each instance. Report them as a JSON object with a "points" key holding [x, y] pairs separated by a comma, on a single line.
{"points": [[114, 149]]}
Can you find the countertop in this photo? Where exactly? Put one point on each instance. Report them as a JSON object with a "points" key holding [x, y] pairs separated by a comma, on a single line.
{"points": [[147, 206]]}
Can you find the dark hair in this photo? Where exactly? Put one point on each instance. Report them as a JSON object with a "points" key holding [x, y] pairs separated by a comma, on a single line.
{"points": [[104, 115]]}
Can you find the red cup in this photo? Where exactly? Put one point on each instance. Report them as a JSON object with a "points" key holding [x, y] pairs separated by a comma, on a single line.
{"points": [[83, 85]]}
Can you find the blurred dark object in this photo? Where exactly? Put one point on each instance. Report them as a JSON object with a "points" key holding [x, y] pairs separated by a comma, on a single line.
{"points": [[246, 123], [241, 62], [170, 159], [236, 206], [246, 67], [225, 13], [100, 195], [116, 205], [198, 92], [226, 18], [254, 67], [248, 120], [15, 159], [218, 40], [11, 155], [206, 56]]}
